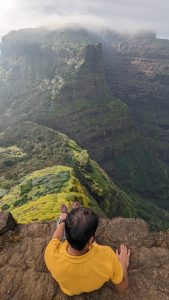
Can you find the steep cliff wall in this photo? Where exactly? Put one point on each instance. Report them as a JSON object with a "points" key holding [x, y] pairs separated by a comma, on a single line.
{"points": [[138, 73]]}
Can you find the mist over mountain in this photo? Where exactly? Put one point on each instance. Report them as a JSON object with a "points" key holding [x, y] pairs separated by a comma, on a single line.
{"points": [[122, 16]]}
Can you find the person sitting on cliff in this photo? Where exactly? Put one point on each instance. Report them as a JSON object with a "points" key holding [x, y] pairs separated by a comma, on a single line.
{"points": [[79, 264]]}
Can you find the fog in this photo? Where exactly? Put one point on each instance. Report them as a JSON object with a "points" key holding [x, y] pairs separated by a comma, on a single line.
{"points": [[120, 15]]}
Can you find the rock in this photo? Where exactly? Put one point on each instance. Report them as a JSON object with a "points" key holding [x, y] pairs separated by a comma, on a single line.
{"points": [[24, 275], [7, 222], [3, 192]]}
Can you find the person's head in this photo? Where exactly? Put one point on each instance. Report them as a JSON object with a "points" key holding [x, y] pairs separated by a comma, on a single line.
{"points": [[80, 227]]}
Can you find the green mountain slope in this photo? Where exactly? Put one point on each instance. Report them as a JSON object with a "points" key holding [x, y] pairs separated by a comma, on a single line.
{"points": [[40, 195], [78, 178]]}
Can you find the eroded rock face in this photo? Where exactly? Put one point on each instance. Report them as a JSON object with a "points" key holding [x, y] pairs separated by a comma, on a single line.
{"points": [[24, 275]]}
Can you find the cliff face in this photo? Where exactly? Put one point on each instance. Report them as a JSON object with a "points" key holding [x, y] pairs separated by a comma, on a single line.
{"points": [[70, 82], [138, 73], [26, 277]]}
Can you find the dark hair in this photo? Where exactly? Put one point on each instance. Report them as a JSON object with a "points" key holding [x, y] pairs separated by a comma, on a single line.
{"points": [[81, 224]]}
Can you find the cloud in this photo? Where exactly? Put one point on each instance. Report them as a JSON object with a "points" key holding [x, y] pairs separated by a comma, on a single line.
{"points": [[121, 15]]}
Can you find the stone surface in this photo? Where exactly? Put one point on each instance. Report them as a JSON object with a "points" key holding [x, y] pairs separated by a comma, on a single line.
{"points": [[24, 275], [7, 222]]}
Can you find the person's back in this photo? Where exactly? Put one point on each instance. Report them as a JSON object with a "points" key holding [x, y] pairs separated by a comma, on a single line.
{"points": [[78, 264]]}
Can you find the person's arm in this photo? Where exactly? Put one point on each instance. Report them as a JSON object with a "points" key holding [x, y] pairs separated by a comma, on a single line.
{"points": [[124, 257], [60, 228], [123, 285]]}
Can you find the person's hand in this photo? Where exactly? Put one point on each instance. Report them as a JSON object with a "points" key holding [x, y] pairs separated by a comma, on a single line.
{"points": [[76, 204], [64, 211], [123, 256]]}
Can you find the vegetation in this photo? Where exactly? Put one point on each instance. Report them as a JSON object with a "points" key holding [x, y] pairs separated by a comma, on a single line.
{"points": [[40, 194], [139, 171], [5, 206], [79, 179], [54, 169]]}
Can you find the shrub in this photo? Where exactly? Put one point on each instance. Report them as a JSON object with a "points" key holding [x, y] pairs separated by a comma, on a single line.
{"points": [[5, 206], [20, 201], [26, 188], [9, 163]]}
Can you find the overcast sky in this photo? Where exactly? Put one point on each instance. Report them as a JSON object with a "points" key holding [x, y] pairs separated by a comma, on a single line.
{"points": [[121, 15]]}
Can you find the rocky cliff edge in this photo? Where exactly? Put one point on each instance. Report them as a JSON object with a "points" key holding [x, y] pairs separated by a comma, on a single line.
{"points": [[24, 275]]}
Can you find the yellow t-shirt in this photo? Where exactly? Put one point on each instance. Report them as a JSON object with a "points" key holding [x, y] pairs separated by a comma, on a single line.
{"points": [[85, 273]]}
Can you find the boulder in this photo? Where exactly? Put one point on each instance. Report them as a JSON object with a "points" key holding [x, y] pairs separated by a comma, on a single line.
{"points": [[7, 222]]}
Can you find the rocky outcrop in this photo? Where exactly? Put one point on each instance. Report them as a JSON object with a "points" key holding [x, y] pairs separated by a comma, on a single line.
{"points": [[7, 222], [24, 275]]}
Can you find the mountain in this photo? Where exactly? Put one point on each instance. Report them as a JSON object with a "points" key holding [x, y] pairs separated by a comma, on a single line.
{"points": [[106, 91]]}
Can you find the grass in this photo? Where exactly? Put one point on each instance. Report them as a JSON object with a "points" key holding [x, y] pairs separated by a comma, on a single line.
{"points": [[12, 151], [47, 207], [39, 196]]}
